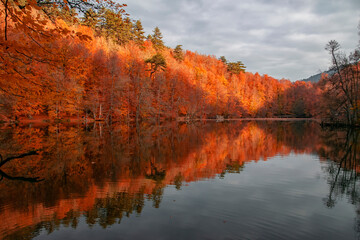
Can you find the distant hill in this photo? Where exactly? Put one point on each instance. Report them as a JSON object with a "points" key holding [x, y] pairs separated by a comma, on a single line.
{"points": [[316, 78]]}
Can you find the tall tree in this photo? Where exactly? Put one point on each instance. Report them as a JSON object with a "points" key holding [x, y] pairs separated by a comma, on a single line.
{"points": [[156, 39], [114, 26], [138, 33], [178, 53], [342, 89]]}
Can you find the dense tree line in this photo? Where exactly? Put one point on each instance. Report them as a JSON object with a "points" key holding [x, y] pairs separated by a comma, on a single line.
{"points": [[90, 60]]}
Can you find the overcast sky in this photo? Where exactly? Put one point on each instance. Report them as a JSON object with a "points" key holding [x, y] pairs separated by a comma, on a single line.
{"points": [[281, 38]]}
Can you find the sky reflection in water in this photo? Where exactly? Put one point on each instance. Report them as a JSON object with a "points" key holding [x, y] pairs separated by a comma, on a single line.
{"points": [[199, 181]]}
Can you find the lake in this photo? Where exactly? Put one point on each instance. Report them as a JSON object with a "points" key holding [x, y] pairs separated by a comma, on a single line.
{"points": [[203, 180]]}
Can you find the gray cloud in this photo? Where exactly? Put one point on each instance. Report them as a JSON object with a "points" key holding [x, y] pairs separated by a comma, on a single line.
{"points": [[281, 38]]}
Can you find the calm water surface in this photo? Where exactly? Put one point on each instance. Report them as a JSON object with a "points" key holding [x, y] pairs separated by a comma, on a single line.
{"points": [[237, 180]]}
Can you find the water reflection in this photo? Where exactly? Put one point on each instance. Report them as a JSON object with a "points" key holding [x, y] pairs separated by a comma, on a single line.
{"points": [[104, 173], [343, 169], [342, 149]]}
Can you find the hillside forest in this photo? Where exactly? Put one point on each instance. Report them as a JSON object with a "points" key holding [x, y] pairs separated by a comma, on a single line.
{"points": [[89, 60]]}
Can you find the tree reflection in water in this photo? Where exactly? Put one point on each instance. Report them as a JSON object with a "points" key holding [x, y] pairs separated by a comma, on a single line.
{"points": [[6, 176], [105, 173], [342, 150]]}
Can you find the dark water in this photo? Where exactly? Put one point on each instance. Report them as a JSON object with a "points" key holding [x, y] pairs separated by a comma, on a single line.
{"points": [[237, 180]]}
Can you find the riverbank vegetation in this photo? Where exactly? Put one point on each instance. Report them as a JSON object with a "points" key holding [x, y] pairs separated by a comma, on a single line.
{"points": [[89, 60]]}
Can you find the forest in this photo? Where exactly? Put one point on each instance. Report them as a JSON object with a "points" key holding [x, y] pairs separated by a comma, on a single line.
{"points": [[90, 61]]}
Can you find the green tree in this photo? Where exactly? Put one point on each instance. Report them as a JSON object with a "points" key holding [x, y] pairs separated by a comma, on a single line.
{"points": [[223, 59], [236, 67], [157, 62], [138, 33], [113, 26], [90, 19], [156, 39], [178, 53]]}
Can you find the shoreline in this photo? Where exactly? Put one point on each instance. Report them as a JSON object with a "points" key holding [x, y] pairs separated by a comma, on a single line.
{"points": [[251, 119], [81, 121]]}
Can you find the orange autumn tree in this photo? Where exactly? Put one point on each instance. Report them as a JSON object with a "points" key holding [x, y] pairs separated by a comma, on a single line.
{"points": [[29, 41], [99, 66]]}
